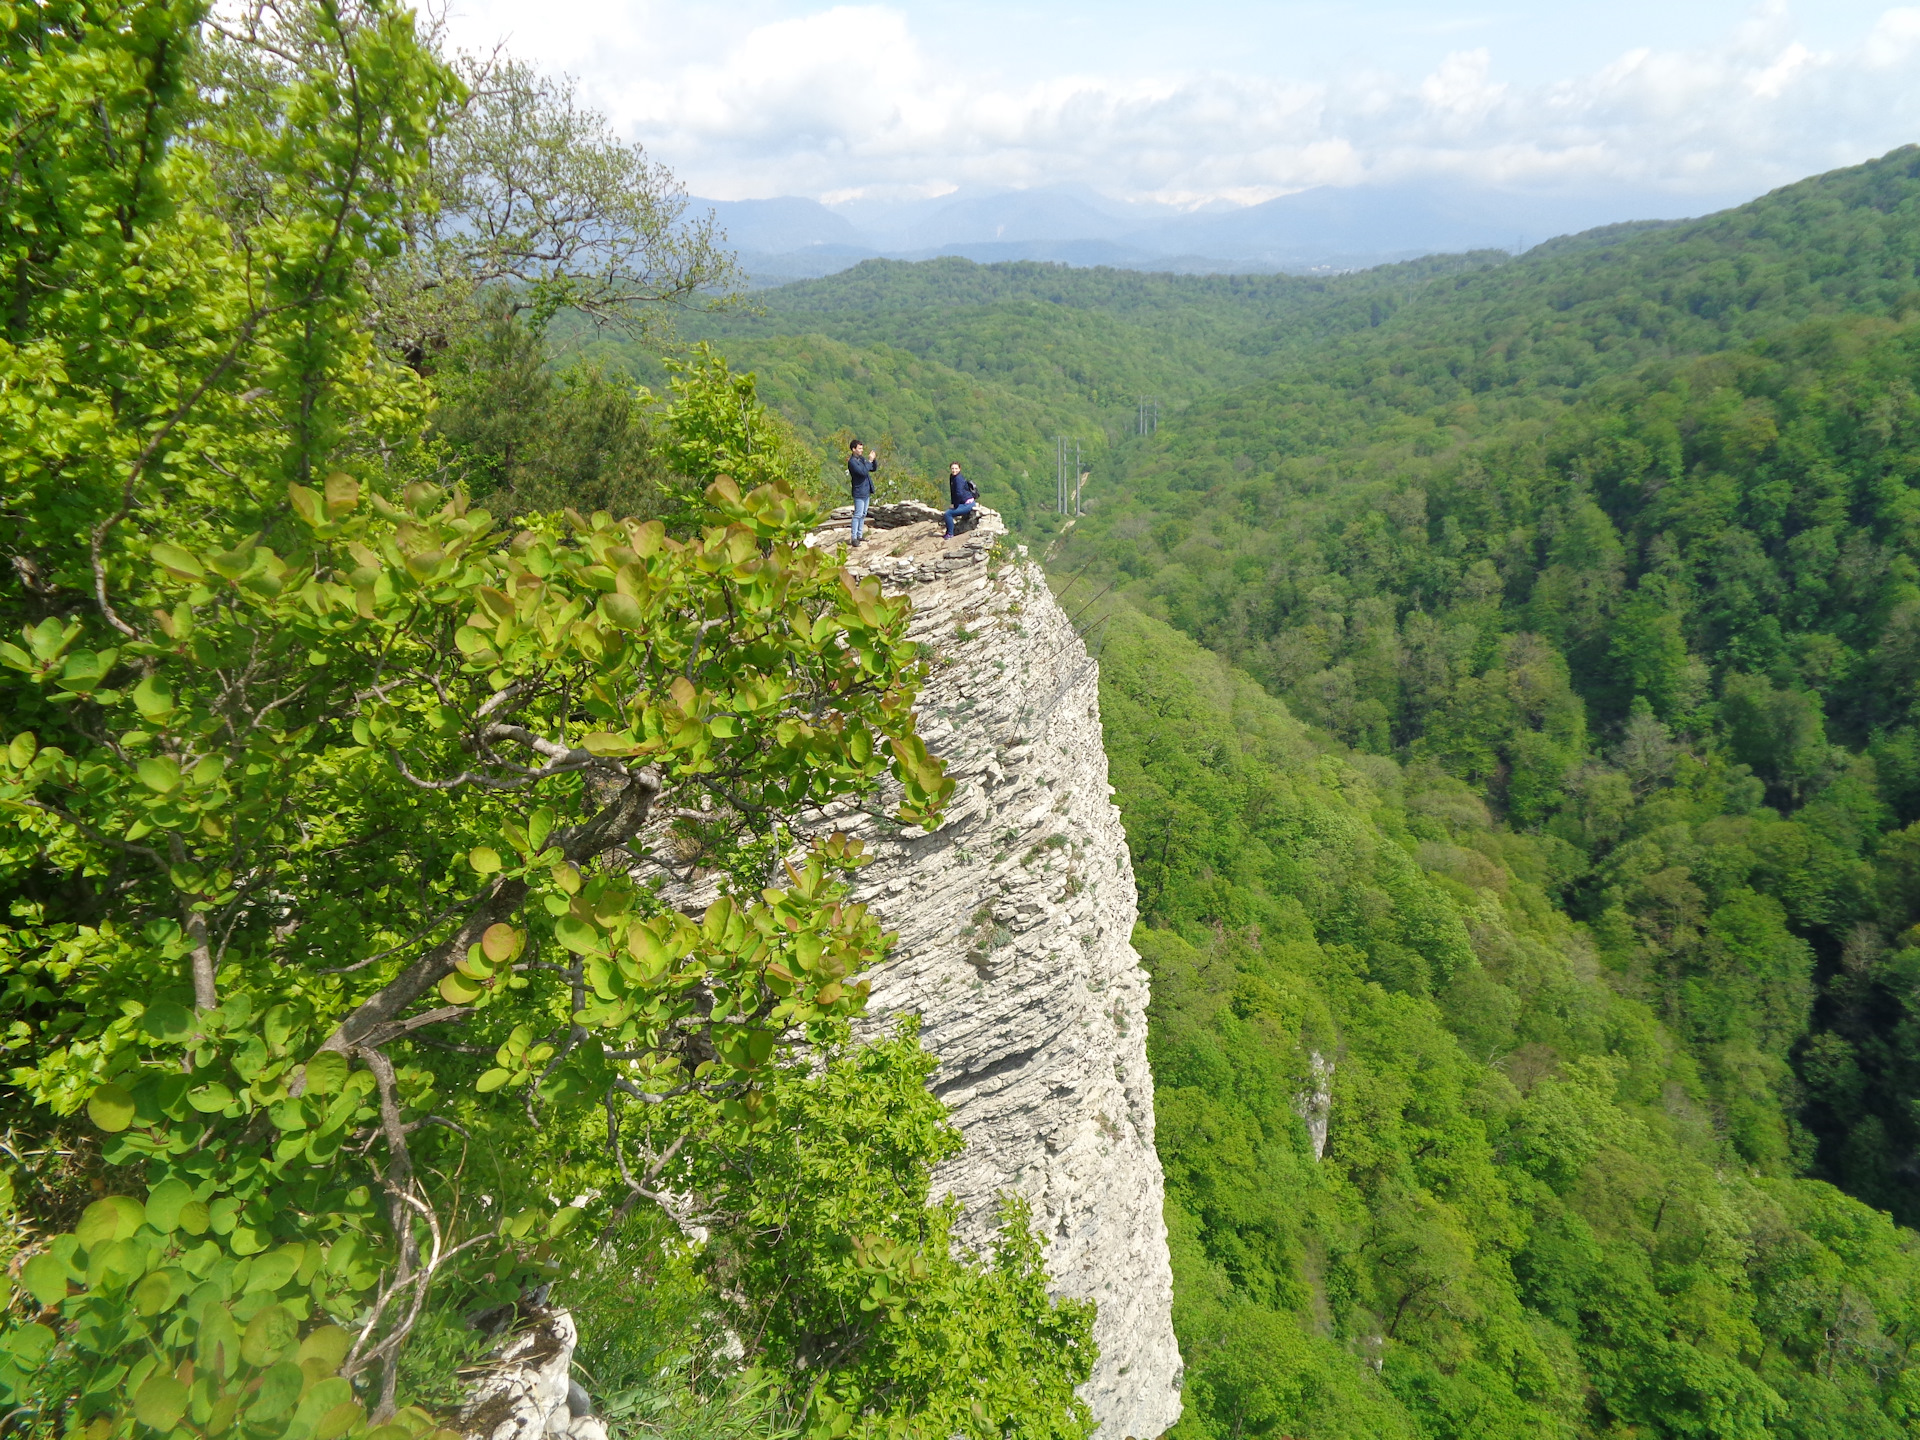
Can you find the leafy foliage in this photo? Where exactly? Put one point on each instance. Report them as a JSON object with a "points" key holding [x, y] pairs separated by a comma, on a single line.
{"points": [[311, 764], [1525, 1222]]}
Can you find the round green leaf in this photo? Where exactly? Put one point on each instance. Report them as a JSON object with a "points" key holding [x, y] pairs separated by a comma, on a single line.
{"points": [[492, 1080], [329, 1345], [114, 1218], [45, 1279], [268, 1336], [456, 989], [246, 1240], [484, 859], [166, 1020], [211, 1098], [28, 1344], [164, 1203], [160, 1401], [195, 1217], [624, 611], [279, 1390], [501, 943], [111, 1108], [156, 1292], [159, 773], [337, 1421], [326, 1073]]}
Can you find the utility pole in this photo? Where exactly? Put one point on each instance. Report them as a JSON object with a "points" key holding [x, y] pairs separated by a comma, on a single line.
{"points": [[1149, 419], [1069, 475]]}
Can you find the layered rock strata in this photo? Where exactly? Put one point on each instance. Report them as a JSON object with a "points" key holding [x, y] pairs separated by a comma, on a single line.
{"points": [[1015, 919]]}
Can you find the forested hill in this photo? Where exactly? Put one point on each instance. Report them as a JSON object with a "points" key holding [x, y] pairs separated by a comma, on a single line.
{"points": [[1554, 773]]}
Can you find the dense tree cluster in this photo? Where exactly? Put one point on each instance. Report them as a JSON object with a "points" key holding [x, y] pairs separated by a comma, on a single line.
{"points": [[335, 1012]]}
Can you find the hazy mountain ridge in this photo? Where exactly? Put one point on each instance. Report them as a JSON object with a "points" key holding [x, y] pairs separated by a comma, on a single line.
{"points": [[1325, 228]]}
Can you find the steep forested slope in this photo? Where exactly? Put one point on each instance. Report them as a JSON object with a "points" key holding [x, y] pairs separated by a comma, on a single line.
{"points": [[1596, 575], [1529, 1220]]}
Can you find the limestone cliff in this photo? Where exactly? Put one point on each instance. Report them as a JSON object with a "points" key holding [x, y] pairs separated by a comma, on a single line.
{"points": [[1014, 921]]}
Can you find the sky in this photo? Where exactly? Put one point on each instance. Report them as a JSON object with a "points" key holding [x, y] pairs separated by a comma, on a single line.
{"points": [[1229, 102]]}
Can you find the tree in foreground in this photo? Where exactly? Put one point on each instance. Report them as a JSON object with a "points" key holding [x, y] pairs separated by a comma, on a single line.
{"points": [[324, 952]]}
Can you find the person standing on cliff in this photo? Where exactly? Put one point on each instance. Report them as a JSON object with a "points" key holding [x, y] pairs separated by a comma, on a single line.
{"points": [[961, 494], [860, 468]]}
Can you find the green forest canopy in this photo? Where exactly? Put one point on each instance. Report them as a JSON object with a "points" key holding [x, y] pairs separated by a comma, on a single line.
{"points": [[1592, 575]]}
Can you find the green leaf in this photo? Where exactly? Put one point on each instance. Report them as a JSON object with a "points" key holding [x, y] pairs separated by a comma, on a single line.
{"points": [[484, 860], [279, 1389], [577, 935], [22, 749], [623, 611], [29, 1344], [563, 1221], [326, 1073], [166, 1020], [111, 1108], [153, 700], [195, 1217], [457, 989], [114, 1218], [343, 494], [492, 1080], [182, 563], [160, 1401], [271, 1332], [328, 1345], [159, 773], [45, 1279], [606, 742], [155, 1293], [501, 943], [211, 1098], [247, 1240], [164, 1204], [539, 826]]}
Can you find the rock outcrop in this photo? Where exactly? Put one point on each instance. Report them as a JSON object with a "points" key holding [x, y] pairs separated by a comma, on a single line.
{"points": [[528, 1392], [1015, 919]]}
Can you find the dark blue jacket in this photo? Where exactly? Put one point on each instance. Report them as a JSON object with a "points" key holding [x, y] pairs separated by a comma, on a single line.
{"points": [[960, 491], [860, 470]]}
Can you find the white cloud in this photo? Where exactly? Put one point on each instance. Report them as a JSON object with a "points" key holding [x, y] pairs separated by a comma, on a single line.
{"points": [[847, 102]]}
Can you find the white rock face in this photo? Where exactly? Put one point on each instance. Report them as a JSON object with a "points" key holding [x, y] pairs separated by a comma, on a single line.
{"points": [[525, 1396], [1014, 920]]}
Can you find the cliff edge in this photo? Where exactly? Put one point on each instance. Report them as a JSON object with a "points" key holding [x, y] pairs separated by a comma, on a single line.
{"points": [[1014, 920]]}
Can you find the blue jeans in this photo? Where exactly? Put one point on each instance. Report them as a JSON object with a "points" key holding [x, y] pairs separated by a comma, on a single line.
{"points": [[860, 504], [956, 512]]}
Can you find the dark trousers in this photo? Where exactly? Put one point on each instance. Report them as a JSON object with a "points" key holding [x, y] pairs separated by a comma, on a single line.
{"points": [[956, 512]]}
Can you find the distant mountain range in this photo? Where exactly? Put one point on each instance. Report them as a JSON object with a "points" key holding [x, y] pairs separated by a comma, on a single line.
{"points": [[1326, 228]]}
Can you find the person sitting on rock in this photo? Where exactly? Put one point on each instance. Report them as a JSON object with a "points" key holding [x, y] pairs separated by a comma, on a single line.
{"points": [[961, 494]]}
